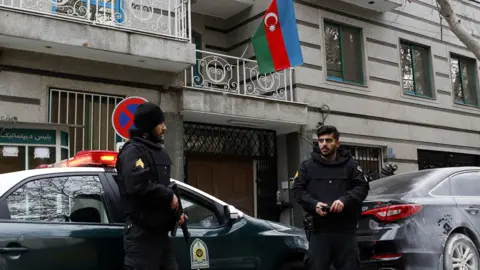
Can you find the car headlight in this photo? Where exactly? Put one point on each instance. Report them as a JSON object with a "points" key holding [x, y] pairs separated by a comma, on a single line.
{"points": [[298, 242]]}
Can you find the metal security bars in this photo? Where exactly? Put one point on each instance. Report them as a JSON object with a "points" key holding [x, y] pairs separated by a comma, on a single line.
{"points": [[219, 72], [259, 145], [229, 140], [92, 111], [169, 18], [428, 159], [369, 159]]}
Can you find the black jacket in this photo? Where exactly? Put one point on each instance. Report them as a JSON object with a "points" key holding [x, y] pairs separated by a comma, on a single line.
{"points": [[143, 177], [323, 181]]}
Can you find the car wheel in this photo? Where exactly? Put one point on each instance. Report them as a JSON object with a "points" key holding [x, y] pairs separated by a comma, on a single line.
{"points": [[296, 265], [460, 253]]}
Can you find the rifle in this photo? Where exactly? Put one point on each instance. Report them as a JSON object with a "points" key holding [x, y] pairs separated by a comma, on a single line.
{"points": [[178, 214]]}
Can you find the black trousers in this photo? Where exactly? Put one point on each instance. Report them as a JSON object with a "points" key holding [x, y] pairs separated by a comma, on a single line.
{"points": [[148, 251], [339, 249]]}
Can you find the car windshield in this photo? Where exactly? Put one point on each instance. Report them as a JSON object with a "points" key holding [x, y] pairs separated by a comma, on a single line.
{"points": [[397, 184]]}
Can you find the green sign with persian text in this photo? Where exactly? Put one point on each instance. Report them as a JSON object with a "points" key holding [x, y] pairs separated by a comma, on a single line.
{"points": [[27, 136]]}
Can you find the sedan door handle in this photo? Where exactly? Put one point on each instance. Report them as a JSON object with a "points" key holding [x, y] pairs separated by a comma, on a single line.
{"points": [[472, 210], [14, 250]]}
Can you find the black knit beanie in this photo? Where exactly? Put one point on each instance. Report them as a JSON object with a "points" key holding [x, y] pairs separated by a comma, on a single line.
{"points": [[147, 116]]}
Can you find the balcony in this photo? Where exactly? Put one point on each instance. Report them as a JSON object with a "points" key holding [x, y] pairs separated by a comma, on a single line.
{"points": [[223, 9], [229, 74], [227, 89], [151, 30], [377, 5]]}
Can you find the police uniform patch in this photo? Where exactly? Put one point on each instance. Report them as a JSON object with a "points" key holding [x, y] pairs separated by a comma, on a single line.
{"points": [[199, 255], [139, 163], [359, 168]]}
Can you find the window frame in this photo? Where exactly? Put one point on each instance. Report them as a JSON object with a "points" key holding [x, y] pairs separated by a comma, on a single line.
{"points": [[200, 202], [6, 217], [412, 46], [359, 31], [475, 82]]}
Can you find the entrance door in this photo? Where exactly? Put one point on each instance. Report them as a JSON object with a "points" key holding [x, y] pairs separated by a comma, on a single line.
{"points": [[229, 179]]}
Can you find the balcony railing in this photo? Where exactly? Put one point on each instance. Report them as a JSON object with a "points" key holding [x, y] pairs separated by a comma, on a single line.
{"points": [[167, 18], [231, 74]]}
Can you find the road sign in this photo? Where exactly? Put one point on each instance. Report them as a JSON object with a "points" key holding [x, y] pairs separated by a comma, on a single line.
{"points": [[122, 116]]}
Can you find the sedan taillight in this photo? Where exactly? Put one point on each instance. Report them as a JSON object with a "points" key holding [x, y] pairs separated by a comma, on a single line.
{"points": [[394, 212]]}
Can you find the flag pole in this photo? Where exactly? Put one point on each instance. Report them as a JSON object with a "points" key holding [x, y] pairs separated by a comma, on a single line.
{"points": [[246, 48]]}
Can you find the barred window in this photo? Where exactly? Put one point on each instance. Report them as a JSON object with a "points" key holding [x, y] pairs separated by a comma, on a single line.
{"points": [[90, 110]]}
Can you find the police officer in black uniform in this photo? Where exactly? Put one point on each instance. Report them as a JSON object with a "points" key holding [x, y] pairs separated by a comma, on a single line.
{"points": [[148, 205], [331, 188]]}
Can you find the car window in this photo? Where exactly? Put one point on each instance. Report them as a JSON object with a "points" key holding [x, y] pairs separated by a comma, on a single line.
{"points": [[466, 184], [442, 189], [397, 184], [199, 215], [59, 199]]}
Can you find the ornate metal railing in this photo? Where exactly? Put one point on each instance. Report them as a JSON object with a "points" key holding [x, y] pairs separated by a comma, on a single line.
{"points": [[168, 18], [231, 74]]}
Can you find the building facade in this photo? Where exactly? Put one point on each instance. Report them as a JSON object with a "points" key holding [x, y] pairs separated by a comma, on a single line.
{"points": [[401, 88]]}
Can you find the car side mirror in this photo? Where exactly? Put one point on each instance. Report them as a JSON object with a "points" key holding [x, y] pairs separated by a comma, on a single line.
{"points": [[231, 214]]}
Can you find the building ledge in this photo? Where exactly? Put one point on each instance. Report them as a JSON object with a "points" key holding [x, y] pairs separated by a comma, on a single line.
{"points": [[30, 32], [377, 5], [239, 110]]}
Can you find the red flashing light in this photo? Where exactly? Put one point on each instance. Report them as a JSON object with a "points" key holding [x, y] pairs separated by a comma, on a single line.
{"points": [[394, 212], [87, 159], [42, 166]]}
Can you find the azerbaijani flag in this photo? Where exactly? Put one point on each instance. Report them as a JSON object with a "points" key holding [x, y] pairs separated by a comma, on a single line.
{"points": [[276, 41]]}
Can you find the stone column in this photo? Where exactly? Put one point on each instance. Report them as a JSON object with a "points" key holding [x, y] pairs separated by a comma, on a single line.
{"points": [[298, 150], [174, 143], [173, 138]]}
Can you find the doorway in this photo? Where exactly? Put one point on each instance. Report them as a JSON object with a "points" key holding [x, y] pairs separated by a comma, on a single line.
{"points": [[228, 178]]}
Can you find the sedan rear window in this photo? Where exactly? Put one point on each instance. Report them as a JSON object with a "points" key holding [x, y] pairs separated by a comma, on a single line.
{"points": [[397, 184]]}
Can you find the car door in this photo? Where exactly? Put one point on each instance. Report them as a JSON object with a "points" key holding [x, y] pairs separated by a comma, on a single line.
{"points": [[223, 246], [213, 243], [465, 190], [59, 222]]}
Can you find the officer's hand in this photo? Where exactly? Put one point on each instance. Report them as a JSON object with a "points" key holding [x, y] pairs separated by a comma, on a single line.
{"points": [[183, 217], [337, 206], [174, 204], [318, 209]]}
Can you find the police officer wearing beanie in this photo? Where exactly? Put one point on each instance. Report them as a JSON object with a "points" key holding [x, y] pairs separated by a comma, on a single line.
{"points": [[148, 204]]}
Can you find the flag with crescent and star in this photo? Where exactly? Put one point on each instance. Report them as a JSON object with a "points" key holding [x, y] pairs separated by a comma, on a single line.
{"points": [[276, 42]]}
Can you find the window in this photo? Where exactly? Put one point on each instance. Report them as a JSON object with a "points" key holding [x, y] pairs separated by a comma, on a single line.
{"points": [[369, 159], [442, 189], [199, 215], [416, 70], [100, 12], [59, 199], [12, 158], [343, 53], [40, 155], [93, 111], [464, 81], [398, 184], [466, 184]]}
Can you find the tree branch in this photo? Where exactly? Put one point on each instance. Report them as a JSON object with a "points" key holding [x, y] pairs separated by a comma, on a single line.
{"points": [[457, 28]]}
